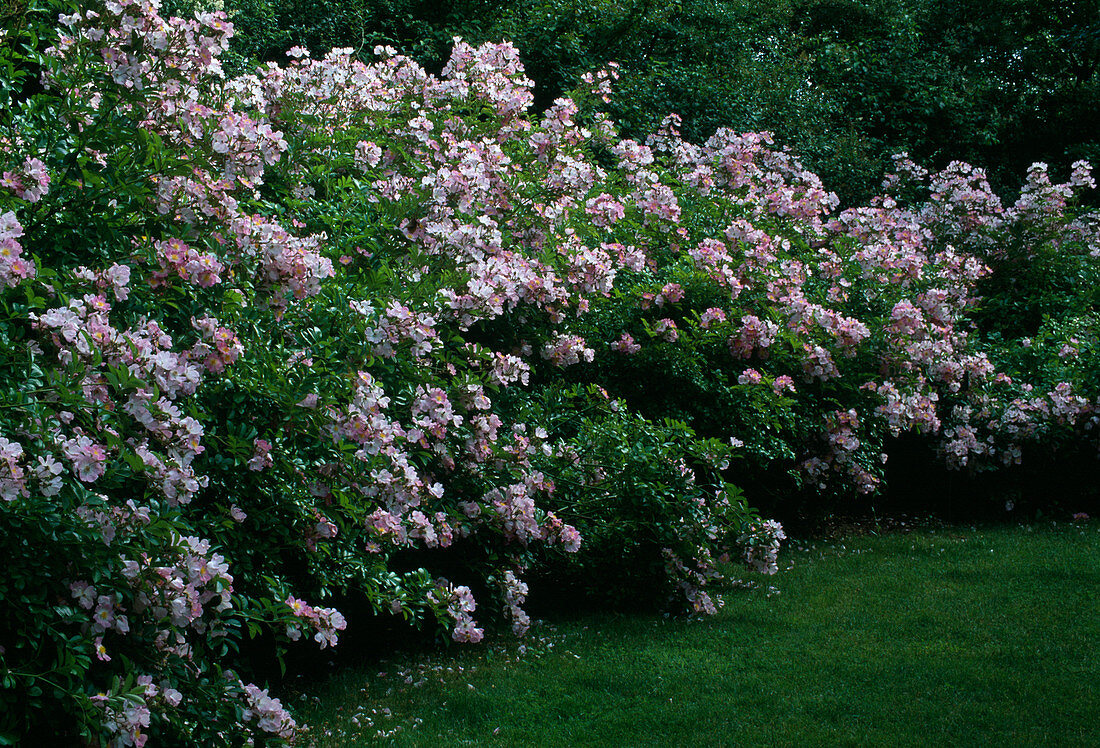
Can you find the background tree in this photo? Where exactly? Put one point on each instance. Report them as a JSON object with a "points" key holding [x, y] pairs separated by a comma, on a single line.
{"points": [[846, 83]]}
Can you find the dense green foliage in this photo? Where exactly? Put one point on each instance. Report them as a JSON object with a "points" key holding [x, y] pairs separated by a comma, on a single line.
{"points": [[335, 330], [847, 83]]}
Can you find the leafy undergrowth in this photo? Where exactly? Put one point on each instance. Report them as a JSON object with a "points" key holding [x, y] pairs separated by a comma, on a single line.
{"points": [[914, 636]]}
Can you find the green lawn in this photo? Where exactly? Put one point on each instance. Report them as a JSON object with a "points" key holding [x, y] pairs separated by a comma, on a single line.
{"points": [[955, 636]]}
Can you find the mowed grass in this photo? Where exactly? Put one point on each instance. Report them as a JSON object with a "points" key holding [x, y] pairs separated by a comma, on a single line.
{"points": [[955, 636]]}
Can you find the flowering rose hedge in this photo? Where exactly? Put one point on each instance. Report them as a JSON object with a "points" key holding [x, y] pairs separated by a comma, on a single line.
{"points": [[332, 328]]}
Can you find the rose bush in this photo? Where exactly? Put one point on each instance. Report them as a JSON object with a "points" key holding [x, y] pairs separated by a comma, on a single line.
{"points": [[349, 329]]}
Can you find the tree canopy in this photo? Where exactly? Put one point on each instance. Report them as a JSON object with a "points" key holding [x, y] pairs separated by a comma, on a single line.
{"points": [[846, 83]]}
